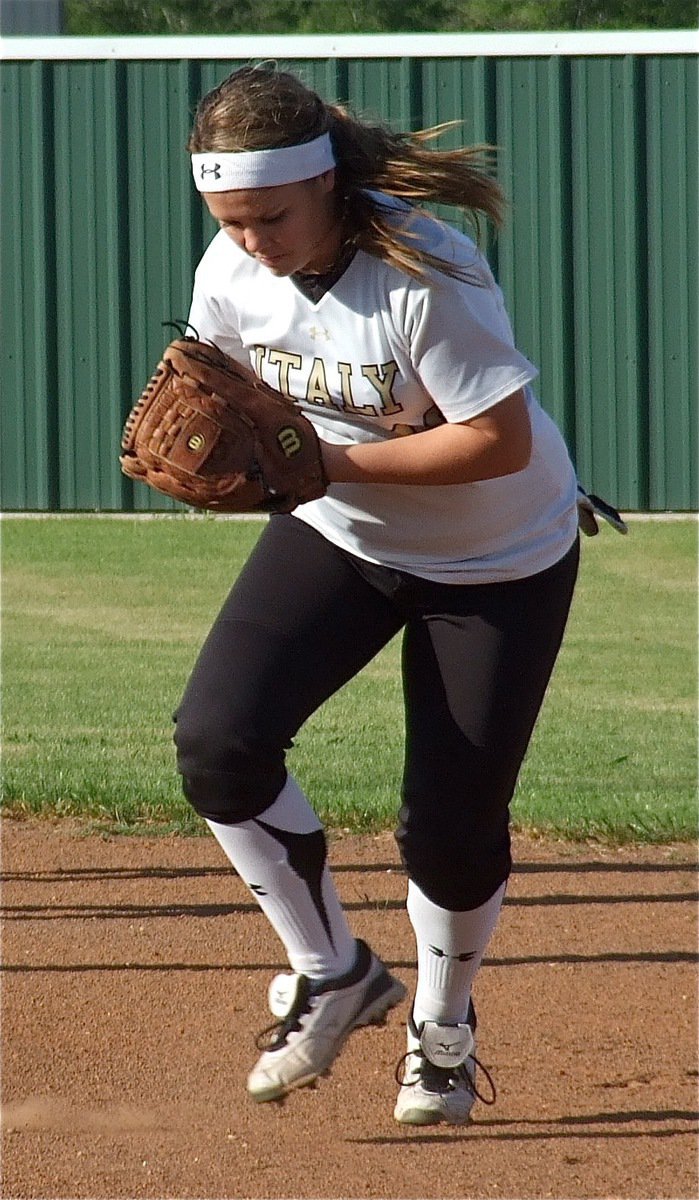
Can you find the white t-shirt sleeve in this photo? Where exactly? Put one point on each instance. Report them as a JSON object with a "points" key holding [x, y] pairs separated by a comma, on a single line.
{"points": [[462, 348], [211, 315]]}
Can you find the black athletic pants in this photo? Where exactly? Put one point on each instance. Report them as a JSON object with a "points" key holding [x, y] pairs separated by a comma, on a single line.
{"points": [[303, 618]]}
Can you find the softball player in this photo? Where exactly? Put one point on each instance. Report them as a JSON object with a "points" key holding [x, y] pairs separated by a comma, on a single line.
{"points": [[450, 515]]}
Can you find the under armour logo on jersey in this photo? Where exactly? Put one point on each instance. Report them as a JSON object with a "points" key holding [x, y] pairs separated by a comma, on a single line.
{"points": [[317, 333], [465, 957], [215, 171]]}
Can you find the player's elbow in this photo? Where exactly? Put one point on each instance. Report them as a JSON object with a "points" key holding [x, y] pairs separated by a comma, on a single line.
{"points": [[508, 435], [516, 454]]}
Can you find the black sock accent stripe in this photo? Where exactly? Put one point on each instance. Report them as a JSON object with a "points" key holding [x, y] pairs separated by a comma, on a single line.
{"points": [[307, 855]]}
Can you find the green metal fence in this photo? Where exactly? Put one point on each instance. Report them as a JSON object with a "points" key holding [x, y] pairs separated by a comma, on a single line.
{"points": [[102, 228]]}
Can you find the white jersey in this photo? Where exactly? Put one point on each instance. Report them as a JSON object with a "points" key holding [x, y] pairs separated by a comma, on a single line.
{"points": [[383, 355]]}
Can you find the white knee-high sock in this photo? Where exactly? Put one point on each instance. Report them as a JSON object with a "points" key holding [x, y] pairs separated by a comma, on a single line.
{"points": [[281, 856], [450, 948]]}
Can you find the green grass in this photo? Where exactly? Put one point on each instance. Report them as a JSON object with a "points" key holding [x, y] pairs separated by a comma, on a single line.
{"points": [[90, 679]]}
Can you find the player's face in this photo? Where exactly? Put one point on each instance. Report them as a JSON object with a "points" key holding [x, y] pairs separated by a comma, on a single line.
{"points": [[292, 227]]}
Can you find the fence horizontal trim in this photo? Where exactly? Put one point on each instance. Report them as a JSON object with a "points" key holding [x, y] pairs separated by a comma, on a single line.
{"points": [[395, 45]]}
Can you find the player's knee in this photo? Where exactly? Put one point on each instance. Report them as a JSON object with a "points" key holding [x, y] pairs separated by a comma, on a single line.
{"points": [[456, 868], [225, 778], [228, 797]]}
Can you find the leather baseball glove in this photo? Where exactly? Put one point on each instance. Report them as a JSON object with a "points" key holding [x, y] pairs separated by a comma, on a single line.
{"points": [[207, 431]]}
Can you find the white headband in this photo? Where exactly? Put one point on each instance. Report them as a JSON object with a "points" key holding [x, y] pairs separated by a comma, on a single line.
{"points": [[214, 172]]}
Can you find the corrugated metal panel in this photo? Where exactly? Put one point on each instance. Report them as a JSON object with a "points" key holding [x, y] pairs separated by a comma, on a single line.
{"points": [[102, 229], [610, 283], [91, 314], [534, 249], [28, 436], [673, 254]]}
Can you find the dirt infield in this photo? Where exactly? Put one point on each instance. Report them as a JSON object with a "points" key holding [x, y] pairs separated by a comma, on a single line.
{"points": [[135, 974]]}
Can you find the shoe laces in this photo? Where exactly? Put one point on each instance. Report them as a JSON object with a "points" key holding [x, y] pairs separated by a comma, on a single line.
{"points": [[445, 1079], [274, 1036]]}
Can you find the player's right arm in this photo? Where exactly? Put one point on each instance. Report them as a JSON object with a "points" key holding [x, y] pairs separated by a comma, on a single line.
{"points": [[497, 442]]}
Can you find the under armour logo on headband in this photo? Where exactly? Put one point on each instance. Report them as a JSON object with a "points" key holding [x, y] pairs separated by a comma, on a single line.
{"points": [[223, 171]]}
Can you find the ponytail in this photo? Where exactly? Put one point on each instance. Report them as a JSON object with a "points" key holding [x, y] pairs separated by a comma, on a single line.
{"points": [[373, 158]]}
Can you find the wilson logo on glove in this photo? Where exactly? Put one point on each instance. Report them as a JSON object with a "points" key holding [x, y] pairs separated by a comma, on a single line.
{"points": [[235, 465], [290, 441]]}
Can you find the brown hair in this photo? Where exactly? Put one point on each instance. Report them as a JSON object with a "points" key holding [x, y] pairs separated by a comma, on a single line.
{"points": [[261, 108]]}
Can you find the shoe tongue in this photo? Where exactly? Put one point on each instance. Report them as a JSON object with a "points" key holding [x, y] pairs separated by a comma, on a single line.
{"points": [[283, 992], [446, 1045]]}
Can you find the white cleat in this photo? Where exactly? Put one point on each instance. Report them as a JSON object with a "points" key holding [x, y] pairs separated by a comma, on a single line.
{"points": [[438, 1075], [314, 1022]]}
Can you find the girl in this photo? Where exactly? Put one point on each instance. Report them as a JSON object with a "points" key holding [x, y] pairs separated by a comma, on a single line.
{"points": [[450, 515]]}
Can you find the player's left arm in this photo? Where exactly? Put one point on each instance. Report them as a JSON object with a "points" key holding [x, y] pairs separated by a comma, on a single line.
{"points": [[495, 443]]}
